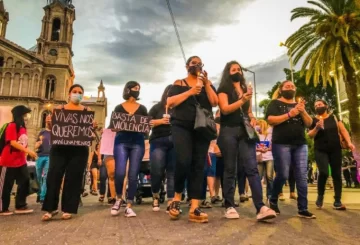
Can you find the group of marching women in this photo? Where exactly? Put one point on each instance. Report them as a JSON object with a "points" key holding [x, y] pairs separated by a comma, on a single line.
{"points": [[180, 150]]}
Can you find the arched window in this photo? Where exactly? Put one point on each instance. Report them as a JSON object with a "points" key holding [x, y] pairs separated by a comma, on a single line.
{"points": [[43, 118], [55, 34], [9, 62], [18, 64], [7, 84], [50, 87], [25, 85]]}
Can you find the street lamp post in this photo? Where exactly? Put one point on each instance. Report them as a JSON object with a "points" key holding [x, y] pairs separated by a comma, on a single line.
{"points": [[290, 60], [245, 69]]}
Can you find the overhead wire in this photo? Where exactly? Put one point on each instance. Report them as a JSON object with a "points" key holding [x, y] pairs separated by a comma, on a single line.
{"points": [[176, 29]]}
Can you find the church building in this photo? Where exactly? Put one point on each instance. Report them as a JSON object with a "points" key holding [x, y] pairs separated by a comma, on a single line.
{"points": [[41, 76]]}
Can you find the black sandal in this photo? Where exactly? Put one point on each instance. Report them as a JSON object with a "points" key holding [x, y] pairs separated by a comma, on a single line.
{"points": [[101, 199], [174, 210], [198, 216]]}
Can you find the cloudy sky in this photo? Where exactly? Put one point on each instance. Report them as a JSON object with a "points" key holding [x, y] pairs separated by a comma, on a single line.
{"points": [[122, 40]]}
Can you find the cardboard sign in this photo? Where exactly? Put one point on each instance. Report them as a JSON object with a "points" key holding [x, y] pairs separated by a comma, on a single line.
{"points": [[133, 123], [107, 142], [72, 127]]}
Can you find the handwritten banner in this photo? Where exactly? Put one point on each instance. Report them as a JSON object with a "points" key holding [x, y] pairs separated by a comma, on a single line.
{"points": [[133, 123], [107, 142], [72, 127]]}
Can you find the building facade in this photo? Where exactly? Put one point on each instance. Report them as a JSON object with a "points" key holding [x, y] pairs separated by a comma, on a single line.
{"points": [[41, 76]]}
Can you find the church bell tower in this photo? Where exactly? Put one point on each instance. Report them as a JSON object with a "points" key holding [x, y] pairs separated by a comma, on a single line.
{"points": [[55, 41]]}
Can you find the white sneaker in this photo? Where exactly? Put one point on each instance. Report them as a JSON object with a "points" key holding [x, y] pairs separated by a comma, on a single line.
{"points": [[115, 210], [231, 213], [265, 214], [129, 213]]}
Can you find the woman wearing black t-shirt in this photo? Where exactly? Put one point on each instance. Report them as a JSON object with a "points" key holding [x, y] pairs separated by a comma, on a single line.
{"points": [[162, 152], [128, 146], [289, 120], [325, 130], [237, 151], [191, 147]]}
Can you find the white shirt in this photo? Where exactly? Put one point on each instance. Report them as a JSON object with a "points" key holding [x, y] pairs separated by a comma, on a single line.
{"points": [[268, 155]]}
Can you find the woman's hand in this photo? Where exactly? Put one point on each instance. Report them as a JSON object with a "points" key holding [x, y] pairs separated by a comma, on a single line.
{"points": [[204, 78], [195, 90], [157, 122], [246, 97], [351, 146], [294, 112], [95, 124], [253, 122], [320, 124], [32, 154], [300, 107]]}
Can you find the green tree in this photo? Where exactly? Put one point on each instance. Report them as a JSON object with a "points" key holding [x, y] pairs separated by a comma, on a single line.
{"points": [[330, 43]]}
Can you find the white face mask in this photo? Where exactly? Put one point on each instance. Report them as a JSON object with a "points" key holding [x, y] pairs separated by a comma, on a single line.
{"points": [[76, 98]]}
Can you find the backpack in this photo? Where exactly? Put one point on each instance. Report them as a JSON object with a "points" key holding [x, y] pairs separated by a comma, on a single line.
{"points": [[2, 137]]}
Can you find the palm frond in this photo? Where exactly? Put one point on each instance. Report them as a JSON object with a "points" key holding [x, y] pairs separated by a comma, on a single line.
{"points": [[322, 6], [304, 12]]}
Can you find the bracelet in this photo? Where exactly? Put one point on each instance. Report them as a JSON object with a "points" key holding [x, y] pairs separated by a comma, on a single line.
{"points": [[289, 115]]}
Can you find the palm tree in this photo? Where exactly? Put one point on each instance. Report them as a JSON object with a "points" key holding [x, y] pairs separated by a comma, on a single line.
{"points": [[330, 45]]}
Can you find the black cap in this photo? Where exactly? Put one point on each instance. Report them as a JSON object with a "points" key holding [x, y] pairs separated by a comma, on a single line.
{"points": [[20, 110]]}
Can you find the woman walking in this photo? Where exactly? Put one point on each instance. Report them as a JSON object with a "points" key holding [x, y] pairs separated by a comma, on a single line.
{"points": [[162, 152], [129, 146], [13, 163], [69, 161], [326, 131], [238, 151], [289, 120], [191, 146]]}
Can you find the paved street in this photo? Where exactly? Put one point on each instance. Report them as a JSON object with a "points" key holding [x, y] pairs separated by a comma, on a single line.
{"points": [[94, 225]]}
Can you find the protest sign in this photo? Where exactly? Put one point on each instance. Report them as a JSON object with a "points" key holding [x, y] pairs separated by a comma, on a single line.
{"points": [[71, 127], [133, 123]]}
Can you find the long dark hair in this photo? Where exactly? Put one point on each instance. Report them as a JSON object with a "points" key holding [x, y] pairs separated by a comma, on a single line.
{"points": [[165, 95], [18, 113], [226, 83]]}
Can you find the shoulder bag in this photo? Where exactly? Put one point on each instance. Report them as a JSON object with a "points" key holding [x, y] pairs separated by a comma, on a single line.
{"points": [[204, 121]]}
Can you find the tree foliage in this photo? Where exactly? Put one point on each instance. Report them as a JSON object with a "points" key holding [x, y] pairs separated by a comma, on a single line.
{"points": [[330, 44]]}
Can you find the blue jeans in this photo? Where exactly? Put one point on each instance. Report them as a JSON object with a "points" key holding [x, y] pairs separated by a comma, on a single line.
{"points": [[122, 153], [295, 156], [239, 153], [162, 158], [42, 167], [266, 169]]}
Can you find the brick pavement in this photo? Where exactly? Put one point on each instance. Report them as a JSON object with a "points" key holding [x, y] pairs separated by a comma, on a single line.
{"points": [[94, 225]]}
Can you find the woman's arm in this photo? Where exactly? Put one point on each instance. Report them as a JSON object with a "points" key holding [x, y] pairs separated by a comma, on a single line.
{"points": [[276, 120], [313, 132], [176, 100], [345, 134], [224, 104], [211, 95], [90, 159]]}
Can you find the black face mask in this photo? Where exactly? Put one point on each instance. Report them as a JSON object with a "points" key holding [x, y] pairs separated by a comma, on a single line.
{"points": [[193, 70], [321, 110], [237, 77], [134, 94], [288, 94]]}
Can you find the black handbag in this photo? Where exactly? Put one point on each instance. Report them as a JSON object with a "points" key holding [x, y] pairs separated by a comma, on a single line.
{"points": [[250, 130], [204, 121]]}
